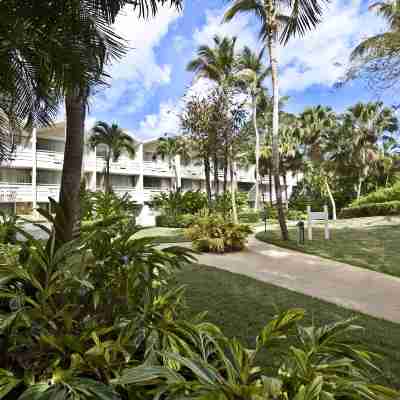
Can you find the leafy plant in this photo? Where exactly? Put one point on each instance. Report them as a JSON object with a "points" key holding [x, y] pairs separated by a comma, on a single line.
{"points": [[8, 227], [372, 210], [215, 233], [381, 195]]}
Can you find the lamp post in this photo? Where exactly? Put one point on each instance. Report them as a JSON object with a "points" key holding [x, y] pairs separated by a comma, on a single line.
{"points": [[265, 214], [300, 232]]}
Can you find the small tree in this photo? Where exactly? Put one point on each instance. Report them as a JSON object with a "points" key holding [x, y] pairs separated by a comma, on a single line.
{"points": [[116, 141]]}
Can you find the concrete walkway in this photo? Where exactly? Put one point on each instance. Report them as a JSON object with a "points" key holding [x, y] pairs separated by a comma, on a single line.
{"points": [[355, 288]]}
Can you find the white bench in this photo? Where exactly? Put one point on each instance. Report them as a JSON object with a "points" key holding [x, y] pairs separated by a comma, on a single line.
{"points": [[317, 216]]}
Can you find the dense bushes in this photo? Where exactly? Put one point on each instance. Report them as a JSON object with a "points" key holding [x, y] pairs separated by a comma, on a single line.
{"points": [[371, 210], [250, 217], [8, 227], [216, 233], [381, 195], [174, 221]]}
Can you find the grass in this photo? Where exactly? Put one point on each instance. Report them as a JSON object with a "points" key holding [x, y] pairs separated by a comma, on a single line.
{"points": [[241, 306], [371, 243], [163, 235]]}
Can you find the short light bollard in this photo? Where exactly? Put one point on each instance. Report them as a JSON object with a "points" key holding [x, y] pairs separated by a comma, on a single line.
{"points": [[300, 232]]}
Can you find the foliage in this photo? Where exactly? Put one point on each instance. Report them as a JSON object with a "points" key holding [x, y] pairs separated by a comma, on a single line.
{"points": [[175, 221], [8, 227], [222, 203], [216, 233], [372, 209], [381, 195], [249, 217], [325, 363], [179, 202]]}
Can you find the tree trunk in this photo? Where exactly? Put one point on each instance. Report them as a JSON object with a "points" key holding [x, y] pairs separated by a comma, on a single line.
{"points": [[233, 192], [225, 170], [257, 151], [107, 185], [360, 181], [272, 43], [207, 173], [216, 180], [75, 108], [270, 187], [332, 200], [286, 191]]}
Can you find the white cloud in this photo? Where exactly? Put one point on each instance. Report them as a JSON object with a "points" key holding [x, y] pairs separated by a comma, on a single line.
{"points": [[139, 72], [166, 121]]}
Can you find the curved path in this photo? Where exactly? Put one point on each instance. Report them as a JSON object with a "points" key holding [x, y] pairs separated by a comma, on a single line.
{"points": [[369, 292]]}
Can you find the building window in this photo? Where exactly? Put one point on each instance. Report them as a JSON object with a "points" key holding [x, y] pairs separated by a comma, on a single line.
{"points": [[123, 180], [45, 177], [245, 186], [151, 182], [149, 156], [15, 176], [23, 208], [50, 145]]}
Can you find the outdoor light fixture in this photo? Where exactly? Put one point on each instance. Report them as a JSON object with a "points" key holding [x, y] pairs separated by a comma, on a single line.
{"points": [[300, 232]]}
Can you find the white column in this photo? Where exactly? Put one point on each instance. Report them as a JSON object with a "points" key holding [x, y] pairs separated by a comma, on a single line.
{"points": [[93, 183], [327, 237], [309, 223], [139, 186], [34, 170]]}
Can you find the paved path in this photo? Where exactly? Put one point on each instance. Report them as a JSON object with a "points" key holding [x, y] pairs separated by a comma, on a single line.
{"points": [[355, 288]]}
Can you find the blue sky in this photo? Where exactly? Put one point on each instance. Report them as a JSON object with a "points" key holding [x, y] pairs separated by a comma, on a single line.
{"points": [[147, 84]]}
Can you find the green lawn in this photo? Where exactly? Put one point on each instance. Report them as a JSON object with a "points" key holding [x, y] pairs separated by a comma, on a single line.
{"points": [[371, 243], [163, 235], [241, 306]]}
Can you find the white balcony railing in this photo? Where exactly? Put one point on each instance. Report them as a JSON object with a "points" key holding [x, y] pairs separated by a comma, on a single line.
{"points": [[192, 171], [22, 158], [122, 166], [157, 168], [50, 159], [149, 193], [19, 192], [44, 191]]}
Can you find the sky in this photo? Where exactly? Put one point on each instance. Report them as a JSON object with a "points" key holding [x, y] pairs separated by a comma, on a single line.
{"points": [[145, 91]]}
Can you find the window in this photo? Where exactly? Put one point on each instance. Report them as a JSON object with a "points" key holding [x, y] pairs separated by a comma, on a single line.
{"points": [[15, 176], [45, 177], [187, 184], [152, 182], [50, 145], [123, 180], [149, 156]]}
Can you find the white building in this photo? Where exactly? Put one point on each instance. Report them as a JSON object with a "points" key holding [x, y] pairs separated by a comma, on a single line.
{"points": [[35, 173]]}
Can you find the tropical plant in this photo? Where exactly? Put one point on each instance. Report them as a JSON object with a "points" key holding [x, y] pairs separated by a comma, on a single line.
{"points": [[170, 148], [116, 141], [302, 16], [364, 125], [8, 227], [253, 73], [214, 232], [324, 363]]}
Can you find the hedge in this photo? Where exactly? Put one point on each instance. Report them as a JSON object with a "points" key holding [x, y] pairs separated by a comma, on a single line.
{"points": [[250, 217], [171, 221], [371, 210]]}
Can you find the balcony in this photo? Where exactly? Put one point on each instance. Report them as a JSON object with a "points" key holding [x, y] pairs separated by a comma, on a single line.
{"points": [[150, 192], [192, 171], [23, 158], [122, 166], [44, 191], [18, 192], [157, 168], [50, 159]]}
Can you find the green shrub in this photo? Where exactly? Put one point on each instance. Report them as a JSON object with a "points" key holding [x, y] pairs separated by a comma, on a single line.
{"points": [[179, 202], [250, 217], [174, 221], [295, 215], [8, 227], [371, 210], [216, 233], [381, 195], [222, 203]]}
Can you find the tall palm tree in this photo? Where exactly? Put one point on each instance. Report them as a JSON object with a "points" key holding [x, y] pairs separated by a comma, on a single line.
{"points": [[302, 16], [116, 141], [365, 124], [317, 130], [170, 147], [217, 64], [253, 73]]}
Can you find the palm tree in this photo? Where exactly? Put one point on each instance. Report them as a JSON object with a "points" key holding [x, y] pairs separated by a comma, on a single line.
{"points": [[253, 73], [217, 64], [170, 147], [318, 131], [365, 124], [116, 142], [303, 16]]}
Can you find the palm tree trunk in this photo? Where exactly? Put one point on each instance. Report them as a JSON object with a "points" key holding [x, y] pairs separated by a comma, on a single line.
{"points": [[216, 180], [107, 185], [257, 197], [331, 199], [360, 181], [270, 187], [232, 171], [207, 173], [225, 170], [75, 109], [286, 191], [272, 43]]}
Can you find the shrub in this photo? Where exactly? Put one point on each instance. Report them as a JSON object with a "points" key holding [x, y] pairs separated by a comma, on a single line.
{"points": [[295, 215], [371, 210], [179, 202], [8, 227], [215, 233], [250, 217], [222, 203], [172, 221], [381, 195]]}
